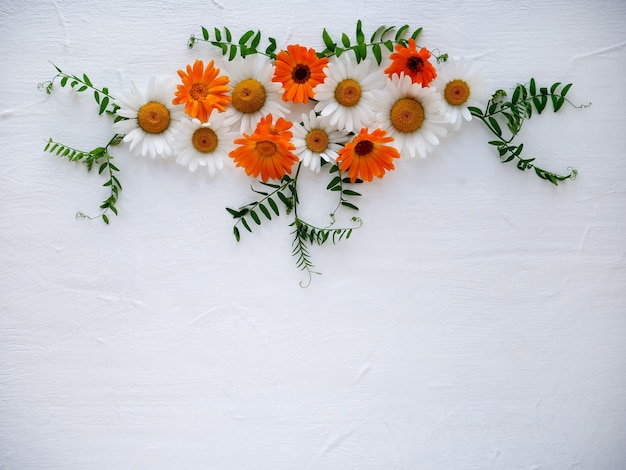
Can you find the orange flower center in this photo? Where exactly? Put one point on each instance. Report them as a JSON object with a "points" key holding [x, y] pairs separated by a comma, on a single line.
{"points": [[248, 96], [301, 73], [348, 93], [363, 148], [407, 115], [204, 140], [199, 90], [456, 93], [265, 148], [317, 140], [415, 64], [153, 117]]}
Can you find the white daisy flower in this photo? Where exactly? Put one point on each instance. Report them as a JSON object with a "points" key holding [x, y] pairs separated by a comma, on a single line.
{"points": [[462, 85], [152, 119], [315, 139], [254, 95], [412, 115], [347, 94], [203, 144]]}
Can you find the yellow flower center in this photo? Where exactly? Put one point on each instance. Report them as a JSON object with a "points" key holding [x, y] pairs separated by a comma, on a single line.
{"points": [[265, 148], [301, 73], [363, 148], [348, 93], [199, 90], [317, 141], [456, 93], [204, 140], [153, 117], [248, 96], [407, 115]]}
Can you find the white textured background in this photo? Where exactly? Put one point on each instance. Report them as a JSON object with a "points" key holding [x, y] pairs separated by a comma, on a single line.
{"points": [[477, 321]]}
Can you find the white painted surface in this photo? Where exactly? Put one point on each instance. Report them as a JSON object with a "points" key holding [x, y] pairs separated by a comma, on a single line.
{"points": [[477, 321]]}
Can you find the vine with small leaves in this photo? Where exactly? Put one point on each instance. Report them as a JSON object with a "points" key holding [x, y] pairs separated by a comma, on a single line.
{"points": [[304, 233], [102, 97], [513, 113], [99, 156], [382, 37], [249, 42]]}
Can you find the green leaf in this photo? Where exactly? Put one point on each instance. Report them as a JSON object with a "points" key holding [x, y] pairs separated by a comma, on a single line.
{"points": [[401, 31], [244, 222], [328, 42], [349, 192], [516, 95], [558, 104], [218, 34], [271, 48], [233, 53], [255, 217], [86, 80], [377, 53], [102, 168], [475, 111], [533, 86], [351, 206], [105, 218], [273, 205], [334, 182], [266, 213], [234, 213], [554, 87], [205, 33], [360, 37], [256, 40], [416, 33], [286, 201], [237, 234], [104, 104], [362, 48], [389, 45], [345, 40], [82, 88], [565, 89], [229, 36], [495, 126], [244, 39]]}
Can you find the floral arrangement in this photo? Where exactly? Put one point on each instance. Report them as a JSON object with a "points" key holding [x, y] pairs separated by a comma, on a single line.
{"points": [[369, 102]]}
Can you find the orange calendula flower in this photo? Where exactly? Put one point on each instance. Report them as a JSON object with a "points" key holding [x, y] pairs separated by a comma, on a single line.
{"points": [[202, 90], [280, 129], [299, 70], [367, 155], [411, 62], [268, 151]]}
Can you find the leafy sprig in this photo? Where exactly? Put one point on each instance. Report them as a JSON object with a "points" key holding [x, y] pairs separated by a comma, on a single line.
{"points": [[337, 184], [247, 44], [106, 102], [383, 37], [305, 233], [100, 157], [510, 114]]}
